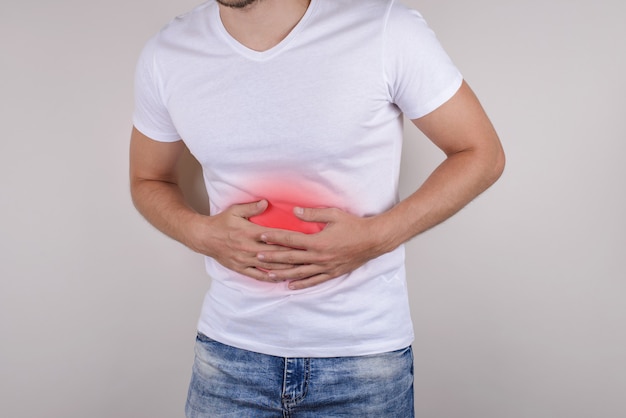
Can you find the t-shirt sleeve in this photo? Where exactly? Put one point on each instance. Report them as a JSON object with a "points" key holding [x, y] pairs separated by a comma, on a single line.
{"points": [[419, 73], [150, 115]]}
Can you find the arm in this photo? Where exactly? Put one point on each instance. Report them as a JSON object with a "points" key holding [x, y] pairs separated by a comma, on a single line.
{"points": [[228, 237], [474, 161]]}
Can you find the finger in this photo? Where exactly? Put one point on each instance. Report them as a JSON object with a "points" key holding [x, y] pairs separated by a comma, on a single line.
{"points": [[321, 215], [293, 257], [261, 274], [297, 273], [264, 247], [267, 267], [308, 282], [284, 238], [257, 274], [250, 260], [246, 210]]}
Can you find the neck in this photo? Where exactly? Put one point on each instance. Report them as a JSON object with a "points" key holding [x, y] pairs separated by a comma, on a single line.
{"points": [[263, 24]]}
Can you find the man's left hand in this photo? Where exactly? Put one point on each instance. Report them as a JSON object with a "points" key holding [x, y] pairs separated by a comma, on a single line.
{"points": [[346, 243]]}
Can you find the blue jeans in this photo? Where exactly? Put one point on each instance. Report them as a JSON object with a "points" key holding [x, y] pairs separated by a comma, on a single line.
{"points": [[230, 382]]}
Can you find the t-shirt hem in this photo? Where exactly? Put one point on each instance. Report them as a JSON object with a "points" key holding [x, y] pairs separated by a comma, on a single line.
{"points": [[320, 352]]}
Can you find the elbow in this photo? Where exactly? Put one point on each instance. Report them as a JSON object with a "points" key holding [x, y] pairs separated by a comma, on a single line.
{"points": [[496, 165], [500, 163], [135, 193]]}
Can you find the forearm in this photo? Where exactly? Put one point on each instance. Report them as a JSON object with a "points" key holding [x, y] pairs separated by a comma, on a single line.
{"points": [[456, 182], [228, 236], [474, 161], [163, 205]]}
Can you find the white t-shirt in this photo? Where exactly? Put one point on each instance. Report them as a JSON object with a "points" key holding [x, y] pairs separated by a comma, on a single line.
{"points": [[314, 121]]}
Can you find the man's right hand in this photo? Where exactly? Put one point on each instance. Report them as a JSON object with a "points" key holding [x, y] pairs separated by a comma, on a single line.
{"points": [[233, 241], [229, 237]]}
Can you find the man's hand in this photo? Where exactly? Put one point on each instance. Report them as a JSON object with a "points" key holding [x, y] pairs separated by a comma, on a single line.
{"points": [[460, 128], [474, 160], [346, 243], [234, 242], [228, 236]]}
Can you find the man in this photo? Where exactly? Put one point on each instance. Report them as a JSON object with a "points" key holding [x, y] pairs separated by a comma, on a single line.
{"points": [[294, 110]]}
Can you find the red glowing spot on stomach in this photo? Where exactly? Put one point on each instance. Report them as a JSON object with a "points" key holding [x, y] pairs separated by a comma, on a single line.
{"points": [[281, 216]]}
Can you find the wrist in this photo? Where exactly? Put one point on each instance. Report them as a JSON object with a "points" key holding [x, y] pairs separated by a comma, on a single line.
{"points": [[192, 228], [391, 229], [382, 233]]}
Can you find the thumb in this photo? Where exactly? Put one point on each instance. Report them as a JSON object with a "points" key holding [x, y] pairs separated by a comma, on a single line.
{"points": [[247, 210], [322, 215]]}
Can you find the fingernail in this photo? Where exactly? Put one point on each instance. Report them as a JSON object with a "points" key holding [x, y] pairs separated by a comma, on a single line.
{"points": [[298, 210], [260, 256]]}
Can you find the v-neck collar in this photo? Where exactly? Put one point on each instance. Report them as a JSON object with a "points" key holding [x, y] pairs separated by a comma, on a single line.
{"points": [[268, 53]]}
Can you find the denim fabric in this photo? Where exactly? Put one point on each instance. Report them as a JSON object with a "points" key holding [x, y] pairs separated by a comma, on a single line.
{"points": [[230, 382]]}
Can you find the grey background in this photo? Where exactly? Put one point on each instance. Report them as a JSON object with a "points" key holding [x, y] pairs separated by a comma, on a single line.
{"points": [[518, 301]]}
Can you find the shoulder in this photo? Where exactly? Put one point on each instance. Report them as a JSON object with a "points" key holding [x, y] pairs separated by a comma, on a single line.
{"points": [[357, 9], [405, 25], [187, 24], [401, 16], [181, 33], [396, 17]]}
